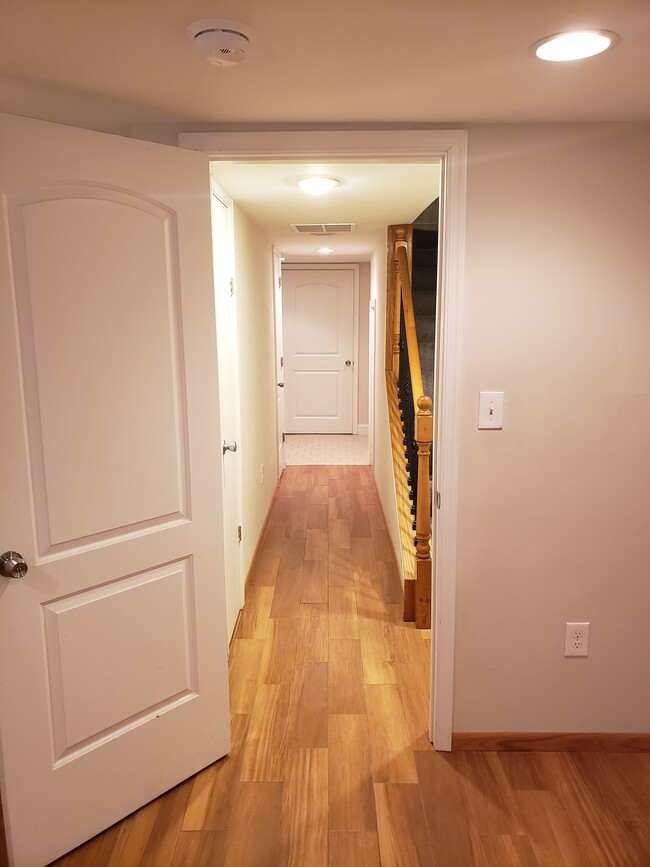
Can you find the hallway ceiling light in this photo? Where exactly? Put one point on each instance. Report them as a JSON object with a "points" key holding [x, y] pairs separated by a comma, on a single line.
{"points": [[317, 185], [325, 250], [222, 42], [575, 45]]}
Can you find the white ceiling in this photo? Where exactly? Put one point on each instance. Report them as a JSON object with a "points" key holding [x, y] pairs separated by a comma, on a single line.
{"points": [[113, 64], [103, 63], [372, 195]]}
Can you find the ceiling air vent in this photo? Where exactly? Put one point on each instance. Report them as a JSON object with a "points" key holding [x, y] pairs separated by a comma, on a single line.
{"points": [[322, 228]]}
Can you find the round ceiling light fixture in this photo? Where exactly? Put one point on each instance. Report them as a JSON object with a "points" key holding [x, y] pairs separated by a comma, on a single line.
{"points": [[574, 45], [325, 250], [317, 185], [222, 42]]}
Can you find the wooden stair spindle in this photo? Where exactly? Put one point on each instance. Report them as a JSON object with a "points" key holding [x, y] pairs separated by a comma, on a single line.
{"points": [[424, 440]]}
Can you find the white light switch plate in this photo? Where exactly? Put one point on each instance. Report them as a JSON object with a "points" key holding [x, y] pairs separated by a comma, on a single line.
{"points": [[490, 410]]}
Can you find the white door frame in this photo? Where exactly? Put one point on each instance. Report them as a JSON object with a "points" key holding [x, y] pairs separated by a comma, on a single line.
{"points": [[450, 148], [219, 193], [342, 266]]}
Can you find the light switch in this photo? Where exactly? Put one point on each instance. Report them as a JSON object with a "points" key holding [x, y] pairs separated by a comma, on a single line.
{"points": [[490, 410]]}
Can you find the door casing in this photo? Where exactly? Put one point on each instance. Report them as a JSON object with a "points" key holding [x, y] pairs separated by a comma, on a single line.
{"points": [[449, 147]]}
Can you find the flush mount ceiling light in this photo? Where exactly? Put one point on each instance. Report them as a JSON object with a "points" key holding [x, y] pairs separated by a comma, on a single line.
{"points": [[222, 42], [574, 45], [317, 185], [325, 250]]}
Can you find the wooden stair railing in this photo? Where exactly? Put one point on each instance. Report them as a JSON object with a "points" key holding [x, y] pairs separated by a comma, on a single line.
{"points": [[410, 412]]}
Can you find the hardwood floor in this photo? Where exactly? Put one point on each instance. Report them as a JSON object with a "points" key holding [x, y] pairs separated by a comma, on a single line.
{"points": [[331, 765]]}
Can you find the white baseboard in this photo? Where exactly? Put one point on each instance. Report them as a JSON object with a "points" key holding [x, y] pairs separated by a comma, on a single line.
{"points": [[362, 430]]}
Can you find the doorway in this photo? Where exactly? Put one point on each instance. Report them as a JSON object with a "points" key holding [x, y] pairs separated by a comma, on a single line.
{"points": [[449, 148]]}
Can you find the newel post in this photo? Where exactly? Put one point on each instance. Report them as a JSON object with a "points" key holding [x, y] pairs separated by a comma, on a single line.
{"points": [[424, 439]]}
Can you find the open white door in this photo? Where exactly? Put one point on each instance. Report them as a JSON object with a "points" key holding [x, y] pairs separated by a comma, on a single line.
{"points": [[226, 311], [279, 358], [113, 671]]}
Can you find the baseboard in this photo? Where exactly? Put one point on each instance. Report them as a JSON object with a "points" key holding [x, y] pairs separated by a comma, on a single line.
{"points": [[556, 742], [362, 430], [260, 538]]}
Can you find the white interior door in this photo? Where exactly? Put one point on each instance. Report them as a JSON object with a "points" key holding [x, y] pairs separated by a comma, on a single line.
{"points": [[319, 349], [113, 670], [226, 312], [279, 358]]}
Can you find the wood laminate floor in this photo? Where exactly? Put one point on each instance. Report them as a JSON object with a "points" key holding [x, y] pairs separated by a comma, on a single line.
{"points": [[331, 765]]}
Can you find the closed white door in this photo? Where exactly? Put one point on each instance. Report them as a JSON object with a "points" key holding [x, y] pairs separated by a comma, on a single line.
{"points": [[319, 329], [279, 359], [113, 670], [226, 311]]}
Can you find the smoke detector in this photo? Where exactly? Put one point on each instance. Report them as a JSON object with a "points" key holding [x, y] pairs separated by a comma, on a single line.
{"points": [[220, 41]]}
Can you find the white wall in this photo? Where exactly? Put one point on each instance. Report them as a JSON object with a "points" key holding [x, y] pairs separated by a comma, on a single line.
{"points": [[254, 288], [554, 510], [383, 458]]}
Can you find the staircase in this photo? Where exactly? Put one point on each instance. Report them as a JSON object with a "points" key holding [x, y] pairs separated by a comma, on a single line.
{"points": [[425, 275], [411, 428]]}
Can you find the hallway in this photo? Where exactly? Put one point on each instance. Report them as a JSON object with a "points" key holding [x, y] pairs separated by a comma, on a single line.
{"points": [[331, 762]]}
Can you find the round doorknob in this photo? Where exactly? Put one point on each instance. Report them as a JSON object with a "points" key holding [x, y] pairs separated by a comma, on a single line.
{"points": [[348, 363], [228, 447], [280, 385], [12, 565]]}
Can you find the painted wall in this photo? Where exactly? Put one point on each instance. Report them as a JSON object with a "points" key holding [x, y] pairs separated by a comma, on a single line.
{"points": [[383, 457], [254, 282], [554, 509]]}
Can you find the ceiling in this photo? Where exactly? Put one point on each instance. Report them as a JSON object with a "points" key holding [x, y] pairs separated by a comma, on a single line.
{"points": [[128, 67], [372, 195], [110, 62]]}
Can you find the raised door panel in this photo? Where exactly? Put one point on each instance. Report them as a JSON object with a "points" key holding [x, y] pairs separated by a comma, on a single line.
{"points": [[96, 280]]}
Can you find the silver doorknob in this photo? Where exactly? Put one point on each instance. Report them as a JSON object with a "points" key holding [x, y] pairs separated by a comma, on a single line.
{"points": [[12, 565], [280, 385], [348, 363], [228, 447]]}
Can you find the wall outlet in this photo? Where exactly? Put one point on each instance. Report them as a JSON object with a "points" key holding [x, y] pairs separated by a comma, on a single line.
{"points": [[576, 639], [261, 474]]}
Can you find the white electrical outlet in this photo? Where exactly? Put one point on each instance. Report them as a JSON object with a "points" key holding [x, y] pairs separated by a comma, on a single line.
{"points": [[576, 640], [261, 474]]}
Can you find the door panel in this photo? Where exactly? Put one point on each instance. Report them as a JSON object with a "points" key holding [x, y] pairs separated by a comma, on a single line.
{"points": [[319, 350], [63, 241], [113, 670]]}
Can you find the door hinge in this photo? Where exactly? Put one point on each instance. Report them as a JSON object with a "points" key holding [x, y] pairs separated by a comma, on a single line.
{"points": [[232, 286], [437, 499], [284, 438], [279, 282], [239, 533], [282, 361]]}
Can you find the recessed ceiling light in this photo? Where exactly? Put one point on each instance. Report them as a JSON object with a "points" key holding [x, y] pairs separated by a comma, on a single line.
{"points": [[317, 185], [325, 250], [575, 45]]}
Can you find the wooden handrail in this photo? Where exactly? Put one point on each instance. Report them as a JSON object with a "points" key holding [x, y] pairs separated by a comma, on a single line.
{"points": [[402, 266], [417, 602]]}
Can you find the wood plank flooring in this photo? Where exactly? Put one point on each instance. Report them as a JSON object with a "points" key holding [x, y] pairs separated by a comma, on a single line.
{"points": [[331, 764]]}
